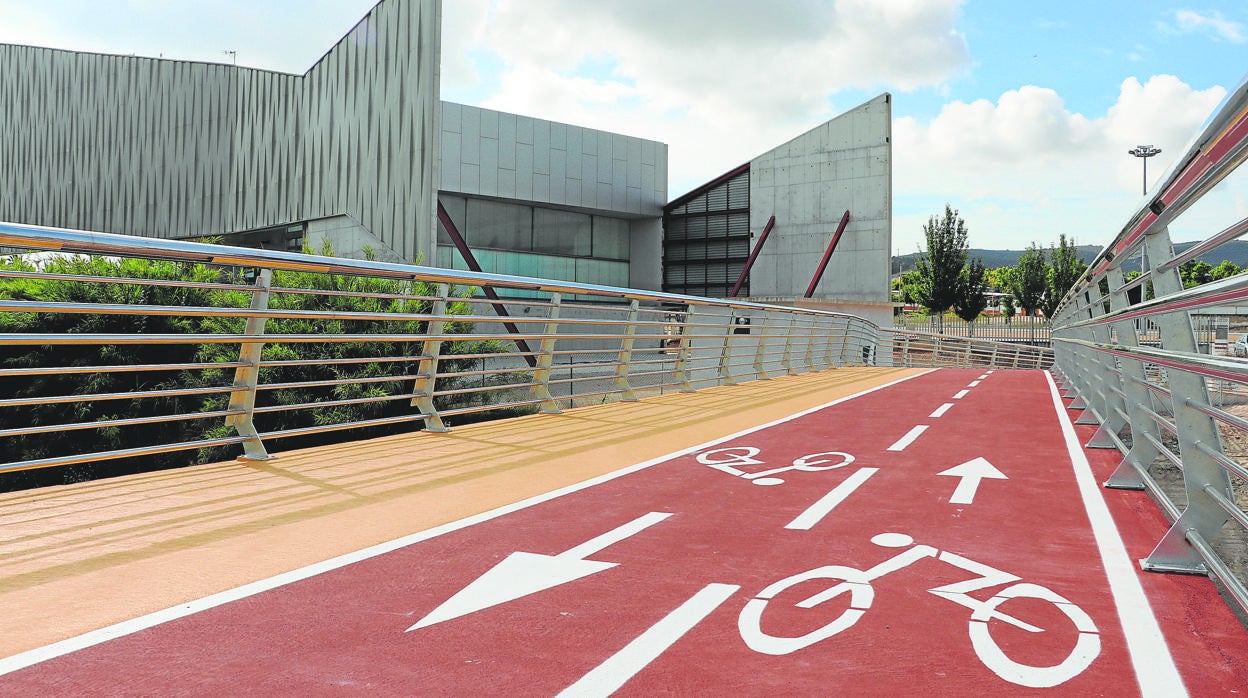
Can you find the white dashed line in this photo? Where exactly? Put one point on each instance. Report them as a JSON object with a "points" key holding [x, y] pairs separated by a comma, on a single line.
{"points": [[960, 394], [817, 511], [908, 438], [940, 411], [973, 384], [984, 376]]}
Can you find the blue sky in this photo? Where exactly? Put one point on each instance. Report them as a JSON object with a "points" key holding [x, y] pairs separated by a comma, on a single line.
{"points": [[1019, 114]]}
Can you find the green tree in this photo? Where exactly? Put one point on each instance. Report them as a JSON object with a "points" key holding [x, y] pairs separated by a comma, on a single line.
{"points": [[1062, 274], [939, 267], [1027, 282], [1196, 272], [972, 297], [1225, 270]]}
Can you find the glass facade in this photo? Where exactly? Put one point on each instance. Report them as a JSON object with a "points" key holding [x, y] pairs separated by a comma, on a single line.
{"points": [[706, 239], [526, 240]]}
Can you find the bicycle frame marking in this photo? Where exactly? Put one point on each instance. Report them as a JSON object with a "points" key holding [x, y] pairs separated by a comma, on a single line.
{"points": [[858, 584], [725, 460]]}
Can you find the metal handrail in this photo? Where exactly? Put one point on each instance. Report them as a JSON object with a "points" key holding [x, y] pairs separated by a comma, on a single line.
{"points": [[1155, 404], [615, 342]]}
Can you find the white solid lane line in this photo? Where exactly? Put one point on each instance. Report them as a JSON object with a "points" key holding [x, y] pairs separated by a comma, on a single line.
{"points": [[1154, 667]]}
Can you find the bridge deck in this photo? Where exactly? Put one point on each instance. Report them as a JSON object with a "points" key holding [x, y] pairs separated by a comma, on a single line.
{"points": [[857, 531]]}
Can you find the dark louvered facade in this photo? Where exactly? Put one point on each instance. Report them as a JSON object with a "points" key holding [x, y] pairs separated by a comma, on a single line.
{"points": [[706, 237]]}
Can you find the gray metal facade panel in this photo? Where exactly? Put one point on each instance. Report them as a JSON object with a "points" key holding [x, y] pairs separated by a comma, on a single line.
{"points": [[173, 149]]}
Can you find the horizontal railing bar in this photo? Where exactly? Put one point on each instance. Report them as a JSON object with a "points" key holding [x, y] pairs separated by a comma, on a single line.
{"points": [[127, 280], [331, 403], [104, 424], [322, 428], [121, 453], [1226, 462], [1218, 569], [349, 361], [490, 408], [336, 381], [1200, 364], [89, 339], [99, 397], [1233, 232], [479, 389], [136, 368]]}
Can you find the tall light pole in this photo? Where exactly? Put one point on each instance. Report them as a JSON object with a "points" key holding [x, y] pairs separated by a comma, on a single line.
{"points": [[1144, 152]]}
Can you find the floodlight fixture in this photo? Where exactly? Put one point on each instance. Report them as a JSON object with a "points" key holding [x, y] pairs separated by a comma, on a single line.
{"points": [[1144, 152]]}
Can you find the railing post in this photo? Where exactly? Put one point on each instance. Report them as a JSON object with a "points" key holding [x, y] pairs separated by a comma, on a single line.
{"points": [[828, 337], [427, 369], [845, 345], [760, 352], [787, 358], [905, 352], [546, 358], [1203, 515], [1129, 474], [624, 363], [810, 343], [725, 354], [684, 352], [247, 376]]}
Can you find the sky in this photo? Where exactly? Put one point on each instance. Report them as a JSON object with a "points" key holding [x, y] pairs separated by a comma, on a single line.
{"points": [[1017, 114]]}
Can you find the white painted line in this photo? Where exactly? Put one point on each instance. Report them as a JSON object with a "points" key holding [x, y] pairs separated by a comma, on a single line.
{"points": [[908, 439], [940, 411], [815, 512], [611, 675], [973, 384], [990, 372], [984, 376], [134, 625], [612, 537], [960, 394], [1154, 666]]}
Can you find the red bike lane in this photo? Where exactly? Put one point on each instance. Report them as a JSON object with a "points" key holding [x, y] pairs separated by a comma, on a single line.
{"points": [[929, 536]]}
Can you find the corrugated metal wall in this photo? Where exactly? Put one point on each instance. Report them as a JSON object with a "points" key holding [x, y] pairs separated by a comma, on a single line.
{"points": [[175, 149]]}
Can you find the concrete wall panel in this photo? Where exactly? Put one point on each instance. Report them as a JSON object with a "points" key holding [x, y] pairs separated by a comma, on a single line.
{"points": [[808, 183]]}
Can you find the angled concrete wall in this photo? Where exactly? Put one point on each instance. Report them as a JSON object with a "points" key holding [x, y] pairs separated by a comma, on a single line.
{"points": [[808, 183], [175, 149]]}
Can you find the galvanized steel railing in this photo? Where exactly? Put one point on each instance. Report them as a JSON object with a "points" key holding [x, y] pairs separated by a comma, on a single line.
{"points": [[921, 349], [1176, 410], [422, 348]]}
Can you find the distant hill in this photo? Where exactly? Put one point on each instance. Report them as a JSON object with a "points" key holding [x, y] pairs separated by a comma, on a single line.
{"points": [[1235, 251]]}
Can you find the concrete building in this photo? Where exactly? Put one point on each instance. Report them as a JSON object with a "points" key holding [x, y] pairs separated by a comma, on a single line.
{"points": [[166, 148], [808, 184], [359, 150], [539, 198]]}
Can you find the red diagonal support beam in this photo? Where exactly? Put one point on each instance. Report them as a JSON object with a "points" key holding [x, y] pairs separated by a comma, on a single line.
{"points": [[758, 246], [836, 237], [499, 308]]}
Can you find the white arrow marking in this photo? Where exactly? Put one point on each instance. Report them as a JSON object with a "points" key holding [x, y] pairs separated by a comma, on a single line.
{"points": [[521, 574], [971, 472]]}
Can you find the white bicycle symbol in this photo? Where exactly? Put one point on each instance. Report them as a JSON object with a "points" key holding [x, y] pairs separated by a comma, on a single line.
{"points": [[861, 594], [726, 460]]}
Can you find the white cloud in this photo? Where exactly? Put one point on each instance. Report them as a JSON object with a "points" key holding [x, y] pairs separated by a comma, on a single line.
{"points": [[1212, 23], [720, 80], [1025, 168]]}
